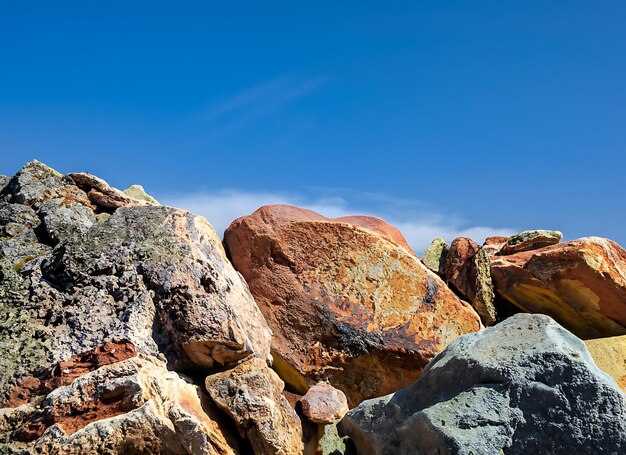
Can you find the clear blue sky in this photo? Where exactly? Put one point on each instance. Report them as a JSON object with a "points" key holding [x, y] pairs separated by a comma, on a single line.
{"points": [[494, 113]]}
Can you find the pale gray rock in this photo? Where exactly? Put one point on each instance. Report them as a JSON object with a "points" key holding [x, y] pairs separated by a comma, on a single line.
{"points": [[138, 192], [524, 386], [3, 181], [435, 255], [157, 276]]}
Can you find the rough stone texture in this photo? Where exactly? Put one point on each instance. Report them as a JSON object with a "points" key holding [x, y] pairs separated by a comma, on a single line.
{"points": [[610, 356], [251, 395], [104, 196], [467, 271], [324, 404], [435, 255], [530, 240], [137, 192], [581, 284], [134, 406], [156, 276], [458, 263], [3, 181], [494, 244], [346, 304], [524, 386]]}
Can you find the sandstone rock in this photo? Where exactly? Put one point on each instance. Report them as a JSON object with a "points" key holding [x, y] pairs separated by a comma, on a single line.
{"points": [[106, 197], [324, 404], [346, 304], [137, 192], [467, 270], [609, 354], [132, 406], [492, 245], [530, 240], [153, 275], [251, 395], [581, 284], [435, 255], [524, 386]]}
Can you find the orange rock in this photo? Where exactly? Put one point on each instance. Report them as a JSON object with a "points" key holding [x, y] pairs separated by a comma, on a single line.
{"points": [[581, 284], [346, 303]]}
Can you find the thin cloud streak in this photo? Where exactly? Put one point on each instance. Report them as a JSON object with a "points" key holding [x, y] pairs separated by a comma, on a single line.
{"points": [[223, 206]]}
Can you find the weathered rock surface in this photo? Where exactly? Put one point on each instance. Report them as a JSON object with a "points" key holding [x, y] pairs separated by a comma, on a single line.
{"points": [[435, 255], [156, 276], [467, 270], [105, 197], [609, 354], [494, 244], [137, 192], [346, 303], [524, 386], [530, 240], [581, 284], [132, 406], [324, 404], [251, 395]]}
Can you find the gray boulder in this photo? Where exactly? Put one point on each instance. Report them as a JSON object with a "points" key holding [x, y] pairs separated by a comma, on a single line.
{"points": [[156, 276], [524, 386]]}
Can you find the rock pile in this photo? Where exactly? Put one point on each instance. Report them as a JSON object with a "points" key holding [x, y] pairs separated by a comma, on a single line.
{"points": [[126, 327]]}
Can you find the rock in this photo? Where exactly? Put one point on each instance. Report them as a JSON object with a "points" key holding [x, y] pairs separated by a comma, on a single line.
{"points": [[581, 284], [435, 255], [251, 395], [132, 406], [530, 240], [467, 270], [104, 196], [493, 245], [524, 386], [3, 181], [324, 404], [345, 303], [137, 192], [153, 275], [458, 260], [609, 354]]}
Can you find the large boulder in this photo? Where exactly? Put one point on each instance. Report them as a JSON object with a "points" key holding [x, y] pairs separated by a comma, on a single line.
{"points": [[346, 303], [251, 394], [71, 280], [128, 403], [581, 284], [530, 240], [524, 386], [609, 354]]}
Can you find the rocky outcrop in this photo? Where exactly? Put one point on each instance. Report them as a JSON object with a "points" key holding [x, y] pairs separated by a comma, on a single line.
{"points": [[609, 354], [530, 240], [435, 255], [70, 282], [346, 304], [524, 386], [137, 192], [324, 404], [131, 406], [251, 395], [581, 284], [106, 198]]}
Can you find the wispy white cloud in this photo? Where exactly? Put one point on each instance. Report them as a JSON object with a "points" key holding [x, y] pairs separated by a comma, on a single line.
{"points": [[418, 226], [255, 103]]}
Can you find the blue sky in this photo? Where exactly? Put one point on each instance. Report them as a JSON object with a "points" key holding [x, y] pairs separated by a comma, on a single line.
{"points": [[455, 117]]}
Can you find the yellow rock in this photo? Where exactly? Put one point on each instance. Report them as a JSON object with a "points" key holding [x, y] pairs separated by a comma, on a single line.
{"points": [[610, 356]]}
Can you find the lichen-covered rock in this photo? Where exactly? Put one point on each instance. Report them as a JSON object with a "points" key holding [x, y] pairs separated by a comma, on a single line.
{"points": [[435, 255], [324, 404], [251, 395], [3, 181], [137, 192], [530, 240], [156, 276], [524, 386], [609, 354], [580, 283], [467, 270], [346, 303], [132, 406]]}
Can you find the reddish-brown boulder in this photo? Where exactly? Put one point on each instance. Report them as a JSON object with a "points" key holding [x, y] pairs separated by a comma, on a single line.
{"points": [[458, 262], [324, 404], [581, 284], [346, 303]]}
